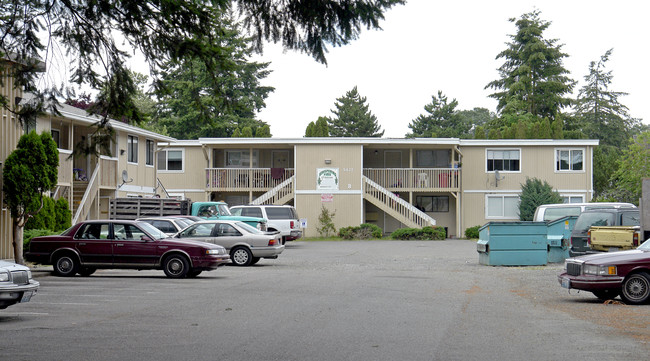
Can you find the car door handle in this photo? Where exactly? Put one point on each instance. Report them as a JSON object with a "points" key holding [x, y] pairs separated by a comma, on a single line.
{"points": [[119, 244], [82, 243]]}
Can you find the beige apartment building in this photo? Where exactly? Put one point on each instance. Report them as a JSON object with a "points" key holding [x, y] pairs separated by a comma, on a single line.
{"points": [[393, 183]]}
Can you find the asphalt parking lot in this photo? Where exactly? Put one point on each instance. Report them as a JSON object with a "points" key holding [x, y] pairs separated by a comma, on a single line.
{"points": [[357, 300]]}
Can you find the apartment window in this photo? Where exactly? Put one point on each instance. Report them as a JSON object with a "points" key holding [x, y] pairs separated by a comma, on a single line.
{"points": [[171, 160], [567, 160], [149, 157], [432, 203], [56, 136], [502, 206], [440, 158], [573, 199], [241, 159], [132, 149], [507, 160]]}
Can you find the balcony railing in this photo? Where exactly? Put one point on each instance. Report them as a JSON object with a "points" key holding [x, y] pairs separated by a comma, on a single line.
{"points": [[65, 168], [253, 179], [415, 179], [108, 174]]}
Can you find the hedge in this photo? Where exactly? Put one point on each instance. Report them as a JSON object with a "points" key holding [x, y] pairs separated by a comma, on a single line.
{"points": [[425, 233], [364, 231]]}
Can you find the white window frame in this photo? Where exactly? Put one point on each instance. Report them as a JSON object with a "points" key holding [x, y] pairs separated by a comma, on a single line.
{"points": [[243, 164], [502, 196], [149, 155], [132, 140], [58, 137], [569, 196], [521, 160], [571, 170], [166, 152]]}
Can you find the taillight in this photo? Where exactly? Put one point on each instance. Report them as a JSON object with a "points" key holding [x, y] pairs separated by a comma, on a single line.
{"points": [[291, 224], [589, 237], [272, 242], [635, 239]]}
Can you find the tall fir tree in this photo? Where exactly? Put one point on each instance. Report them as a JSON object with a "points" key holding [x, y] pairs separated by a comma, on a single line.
{"points": [[353, 117], [442, 120], [532, 79]]}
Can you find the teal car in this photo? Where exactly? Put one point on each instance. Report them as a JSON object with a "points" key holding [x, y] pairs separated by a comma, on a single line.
{"points": [[220, 210]]}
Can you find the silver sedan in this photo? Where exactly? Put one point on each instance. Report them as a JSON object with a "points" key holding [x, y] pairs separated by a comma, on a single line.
{"points": [[246, 244]]}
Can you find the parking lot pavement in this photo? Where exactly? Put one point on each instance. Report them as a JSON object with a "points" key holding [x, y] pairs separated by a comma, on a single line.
{"points": [[358, 300]]}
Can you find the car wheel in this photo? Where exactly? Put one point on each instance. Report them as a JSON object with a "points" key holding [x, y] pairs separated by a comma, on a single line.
{"points": [[193, 273], [176, 266], [636, 288], [606, 294], [65, 265], [241, 256], [255, 260], [86, 271]]}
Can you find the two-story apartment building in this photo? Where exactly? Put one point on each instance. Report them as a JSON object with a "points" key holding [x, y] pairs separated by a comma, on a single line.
{"points": [[88, 182], [392, 183]]}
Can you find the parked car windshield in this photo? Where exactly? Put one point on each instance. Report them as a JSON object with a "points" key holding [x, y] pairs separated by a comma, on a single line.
{"points": [[223, 210], [587, 220], [248, 228], [645, 246], [557, 213], [153, 231]]}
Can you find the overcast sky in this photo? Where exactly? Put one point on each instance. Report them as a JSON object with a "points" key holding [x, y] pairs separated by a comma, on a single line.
{"points": [[429, 45]]}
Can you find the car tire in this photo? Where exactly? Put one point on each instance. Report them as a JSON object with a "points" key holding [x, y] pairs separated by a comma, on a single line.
{"points": [[193, 273], [636, 288], [606, 294], [86, 271], [255, 260], [66, 265], [241, 256], [176, 266]]}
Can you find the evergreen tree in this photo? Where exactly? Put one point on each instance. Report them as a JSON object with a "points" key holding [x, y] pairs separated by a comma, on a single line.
{"points": [[533, 194], [533, 79], [442, 120], [100, 35], [353, 117], [29, 172], [199, 104], [598, 111]]}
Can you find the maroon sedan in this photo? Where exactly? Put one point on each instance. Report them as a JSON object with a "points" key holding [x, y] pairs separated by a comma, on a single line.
{"points": [[90, 245], [607, 275]]}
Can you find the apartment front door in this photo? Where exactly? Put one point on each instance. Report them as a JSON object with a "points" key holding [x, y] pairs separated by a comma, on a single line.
{"points": [[280, 158]]}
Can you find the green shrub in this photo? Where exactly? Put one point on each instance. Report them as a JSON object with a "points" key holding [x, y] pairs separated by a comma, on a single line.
{"points": [[425, 233], [44, 219], [326, 222], [472, 232], [62, 215], [364, 231], [28, 234]]}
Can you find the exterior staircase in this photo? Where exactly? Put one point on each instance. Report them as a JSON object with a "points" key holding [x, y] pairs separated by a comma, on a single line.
{"points": [[384, 199], [78, 191]]}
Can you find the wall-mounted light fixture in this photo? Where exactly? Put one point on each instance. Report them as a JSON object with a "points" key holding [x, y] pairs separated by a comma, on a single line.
{"points": [[328, 161], [121, 151], [376, 152]]}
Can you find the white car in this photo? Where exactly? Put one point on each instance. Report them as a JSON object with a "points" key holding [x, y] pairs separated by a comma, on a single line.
{"points": [[16, 284], [283, 219], [245, 243], [170, 225]]}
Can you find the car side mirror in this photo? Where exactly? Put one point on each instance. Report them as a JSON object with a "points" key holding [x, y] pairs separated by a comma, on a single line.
{"points": [[146, 239]]}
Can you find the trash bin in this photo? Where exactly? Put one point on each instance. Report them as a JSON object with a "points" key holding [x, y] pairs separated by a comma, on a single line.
{"points": [[513, 244], [558, 235]]}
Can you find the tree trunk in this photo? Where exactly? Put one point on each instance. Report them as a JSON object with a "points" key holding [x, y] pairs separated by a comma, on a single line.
{"points": [[18, 242]]}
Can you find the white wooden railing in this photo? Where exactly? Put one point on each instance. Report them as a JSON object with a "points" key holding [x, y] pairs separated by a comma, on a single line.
{"points": [[279, 192], [89, 196], [415, 178], [228, 179], [398, 208]]}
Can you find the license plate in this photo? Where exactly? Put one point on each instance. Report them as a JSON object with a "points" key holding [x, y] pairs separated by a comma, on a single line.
{"points": [[27, 295], [613, 249], [566, 283]]}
